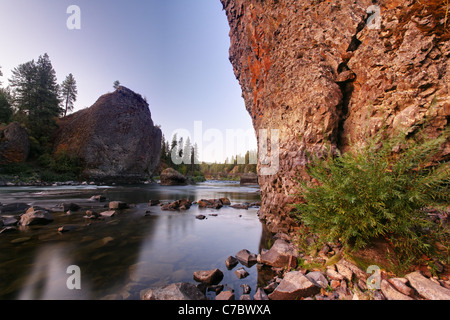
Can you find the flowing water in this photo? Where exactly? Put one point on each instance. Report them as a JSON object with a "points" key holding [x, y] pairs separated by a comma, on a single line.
{"points": [[138, 248]]}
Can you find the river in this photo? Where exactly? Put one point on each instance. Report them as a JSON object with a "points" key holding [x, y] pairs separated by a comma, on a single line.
{"points": [[138, 248]]}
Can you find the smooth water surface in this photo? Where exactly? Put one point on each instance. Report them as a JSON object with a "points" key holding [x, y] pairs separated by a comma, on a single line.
{"points": [[138, 248]]}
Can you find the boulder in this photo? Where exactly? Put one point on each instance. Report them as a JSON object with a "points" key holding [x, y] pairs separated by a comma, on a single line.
{"points": [[183, 204], [427, 288], [225, 201], [246, 257], [231, 262], [318, 279], [14, 208], [279, 254], [115, 139], [240, 206], [294, 286], [175, 291], [391, 293], [14, 144], [210, 203], [209, 277], [171, 177], [117, 205], [241, 273], [225, 295], [35, 218], [400, 285], [249, 179]]}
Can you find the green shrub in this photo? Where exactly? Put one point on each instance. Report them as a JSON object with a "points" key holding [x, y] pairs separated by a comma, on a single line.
{"points": [[374, 192]]}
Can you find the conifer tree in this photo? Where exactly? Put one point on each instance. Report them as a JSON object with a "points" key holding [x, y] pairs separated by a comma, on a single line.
{"points": [[69, 93]]}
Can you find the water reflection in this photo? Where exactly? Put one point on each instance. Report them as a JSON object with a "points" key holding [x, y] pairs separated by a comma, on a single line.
{"points": [[122, 255]]}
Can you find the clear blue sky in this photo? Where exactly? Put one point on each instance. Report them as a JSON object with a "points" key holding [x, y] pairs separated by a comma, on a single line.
{"points": [[173, 52]]}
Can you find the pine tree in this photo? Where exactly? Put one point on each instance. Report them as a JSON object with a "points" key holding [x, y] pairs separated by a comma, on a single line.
{"points": [[69, 93], [36, 95], [116, 84]]}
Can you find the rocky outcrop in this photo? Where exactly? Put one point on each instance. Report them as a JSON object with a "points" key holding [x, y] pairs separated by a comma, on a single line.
{"points": [[314, 71], [14, 144], [171, 177], [115, 138]]}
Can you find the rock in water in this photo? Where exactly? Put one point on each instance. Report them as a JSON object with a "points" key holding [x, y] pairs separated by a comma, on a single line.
{"points": [[314, 71], [14, 144], [171, 177], [174, 291], [115, 138]]}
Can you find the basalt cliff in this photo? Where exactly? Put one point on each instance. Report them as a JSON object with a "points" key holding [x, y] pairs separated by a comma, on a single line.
{"points": [[332, 72], [115, 138]]}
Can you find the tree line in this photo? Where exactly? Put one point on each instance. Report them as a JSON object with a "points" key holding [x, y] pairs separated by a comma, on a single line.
{"points": [[36, 100], [183, 156]]}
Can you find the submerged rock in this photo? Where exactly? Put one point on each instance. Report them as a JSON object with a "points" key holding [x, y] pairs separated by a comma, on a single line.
{"points": [[209, 277], [171, 177], [175, 291], [35, 218]]}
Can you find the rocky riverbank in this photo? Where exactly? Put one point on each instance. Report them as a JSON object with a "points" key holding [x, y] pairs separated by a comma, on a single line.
{"points": [[298, 277]]}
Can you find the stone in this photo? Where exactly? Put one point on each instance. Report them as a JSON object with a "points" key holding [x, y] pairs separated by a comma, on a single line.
{"points": [[175, 291], [36, 218], [14, 144], [279, 254], [64, 229], [209, 277], [318, 279], [210, 203], [115, 138], [200, 217], [117, 205], [14, 208], [344, 270], [182, 204], [332, 274], [249, 179], [171, 177], [231, 262], [98, 198], [246, 288], [152, 203], [392, 294], [108, 214], [260, 295], [246, 257], [225, 201], [241, 273], [70, 207], [9, 221], [427, 288], [294, 286], [400, 285], [225, 295]]}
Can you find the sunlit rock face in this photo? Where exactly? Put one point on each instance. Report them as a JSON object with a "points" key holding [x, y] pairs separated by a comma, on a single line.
{"points": [[115, 138], [330, 73]]}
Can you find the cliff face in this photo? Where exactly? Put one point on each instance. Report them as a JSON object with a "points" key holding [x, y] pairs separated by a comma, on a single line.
{"points": [[314, 70], [115, 138]]}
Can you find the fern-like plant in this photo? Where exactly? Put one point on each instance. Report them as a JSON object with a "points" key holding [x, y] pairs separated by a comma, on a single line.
{"points": [[377, 190]]}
